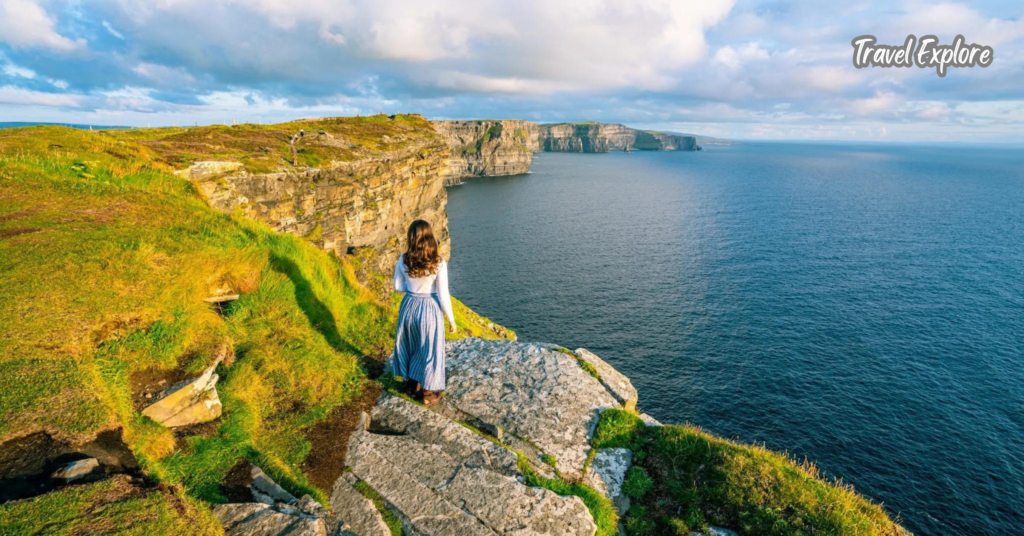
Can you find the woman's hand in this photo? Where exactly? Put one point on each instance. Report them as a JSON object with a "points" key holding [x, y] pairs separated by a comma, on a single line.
{"points": [[452, 329]]}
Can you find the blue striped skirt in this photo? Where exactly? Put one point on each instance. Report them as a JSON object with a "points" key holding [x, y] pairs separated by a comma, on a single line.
{"points": [[419, 342]]}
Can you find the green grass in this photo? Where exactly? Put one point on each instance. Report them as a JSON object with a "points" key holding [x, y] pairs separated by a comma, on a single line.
{"points": [[265, 148], [394, 524], [685, 479], [105, 259], [109, 507]]}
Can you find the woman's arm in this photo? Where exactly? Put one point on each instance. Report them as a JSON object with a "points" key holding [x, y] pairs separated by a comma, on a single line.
{"points": [[400, 275], [443, 295]]}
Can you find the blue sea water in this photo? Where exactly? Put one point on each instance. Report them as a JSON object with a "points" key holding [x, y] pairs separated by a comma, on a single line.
{"points": [[860, 305]]}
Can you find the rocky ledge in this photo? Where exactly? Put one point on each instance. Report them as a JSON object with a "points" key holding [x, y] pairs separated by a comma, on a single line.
{"points": [[510, 408], [515, 414]]}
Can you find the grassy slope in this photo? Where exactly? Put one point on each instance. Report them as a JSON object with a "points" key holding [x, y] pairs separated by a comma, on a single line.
{"points": [[684, 479], [105, 258], [265, 148]]}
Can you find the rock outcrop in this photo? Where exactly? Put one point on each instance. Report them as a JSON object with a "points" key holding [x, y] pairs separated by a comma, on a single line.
{"points": [[592, 137], [458, 467], [484, 147], [440, 480], [342, 206], [277, 512], [189, 402]]}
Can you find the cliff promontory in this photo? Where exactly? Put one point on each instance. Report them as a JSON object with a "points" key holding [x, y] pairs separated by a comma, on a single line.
{"points": [[486, 147], [342, 183], [167, 367], [590, 137]]}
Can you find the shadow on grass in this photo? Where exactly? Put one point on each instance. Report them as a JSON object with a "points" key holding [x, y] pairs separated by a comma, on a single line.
{"points": [[321, 318]]}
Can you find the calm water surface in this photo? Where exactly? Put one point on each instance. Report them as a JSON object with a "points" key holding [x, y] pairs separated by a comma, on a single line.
{"points": [[862, 306]]}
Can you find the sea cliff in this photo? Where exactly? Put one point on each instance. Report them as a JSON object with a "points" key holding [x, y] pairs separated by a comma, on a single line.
{"points": [[363, 199], [179, 347], [592, 137], [486, 147]]}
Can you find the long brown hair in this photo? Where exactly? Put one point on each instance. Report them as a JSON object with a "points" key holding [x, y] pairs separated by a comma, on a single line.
{"points": [[422, 258]]}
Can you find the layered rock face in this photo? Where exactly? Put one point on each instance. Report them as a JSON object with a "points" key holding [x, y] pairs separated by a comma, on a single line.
{"points": [[602, 138], [480, 148], [365, 203]]}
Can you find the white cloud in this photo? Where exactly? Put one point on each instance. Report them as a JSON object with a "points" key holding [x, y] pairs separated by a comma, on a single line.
{"points": [[734, 58], [578, 43], [163, 74], [110, 29], [25, 97], [948, 19], [25, 24]]}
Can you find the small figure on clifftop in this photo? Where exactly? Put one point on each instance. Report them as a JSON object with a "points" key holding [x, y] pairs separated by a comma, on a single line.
{"points": [[422, 275]]}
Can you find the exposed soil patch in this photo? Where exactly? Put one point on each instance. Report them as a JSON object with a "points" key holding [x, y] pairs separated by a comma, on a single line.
{"points": [[147, 385], [15, 231], [27, 463], [18, 214], [329, 438], [235, 485]]}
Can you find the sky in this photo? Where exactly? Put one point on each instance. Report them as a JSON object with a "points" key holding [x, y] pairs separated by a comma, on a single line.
{"points": [[736, 69]]}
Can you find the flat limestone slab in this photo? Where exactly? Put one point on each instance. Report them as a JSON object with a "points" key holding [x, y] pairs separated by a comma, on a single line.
{"points": [[607, 472], [421, 510], [509, 507], [357, 512], [531, 391], [617, 383], [435, 494], [395, 414]]}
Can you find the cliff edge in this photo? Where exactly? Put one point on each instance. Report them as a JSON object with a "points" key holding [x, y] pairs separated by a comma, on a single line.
{"points": [[590, 137], [488, 147]]}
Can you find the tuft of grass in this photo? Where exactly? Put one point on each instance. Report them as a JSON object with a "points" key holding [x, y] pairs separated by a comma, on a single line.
{"points": [[685, 479], [638, 483], [394, 524]]}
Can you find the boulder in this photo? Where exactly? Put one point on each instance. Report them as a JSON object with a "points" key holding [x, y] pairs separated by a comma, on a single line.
{"points": [[617, 384], [607, 472], [358, 512], [531, 391], [189, 402], [76, 470]]}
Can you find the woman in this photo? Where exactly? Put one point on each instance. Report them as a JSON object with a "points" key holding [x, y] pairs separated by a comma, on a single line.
{"points": [[419, 344]]}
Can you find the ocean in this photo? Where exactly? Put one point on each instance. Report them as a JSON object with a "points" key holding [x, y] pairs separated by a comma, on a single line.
{"points": [[858, 305]]}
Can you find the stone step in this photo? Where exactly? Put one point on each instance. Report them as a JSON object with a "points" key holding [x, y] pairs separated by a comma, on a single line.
{"points": [[433, 494], [397, 415]]}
